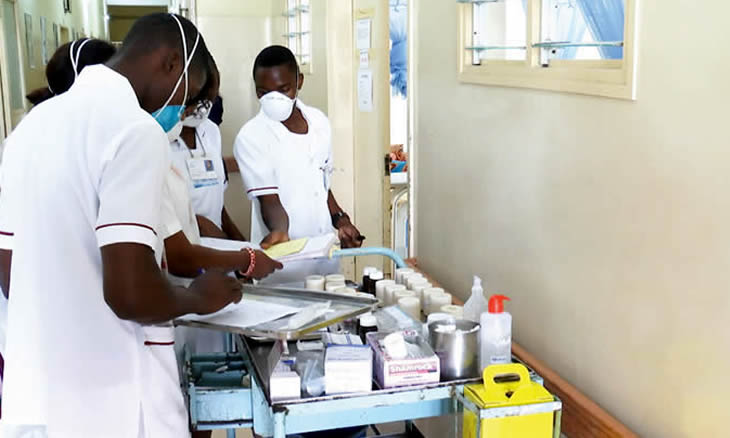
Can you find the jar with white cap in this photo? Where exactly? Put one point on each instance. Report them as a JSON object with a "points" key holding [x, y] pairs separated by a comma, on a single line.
{"points": [[390, 291], [419, 288], [411, 305], [380, 286], [414, 279], [397, 295], [399, 274], [314, 282], [335, 278], [427, 297], [438, 301]]}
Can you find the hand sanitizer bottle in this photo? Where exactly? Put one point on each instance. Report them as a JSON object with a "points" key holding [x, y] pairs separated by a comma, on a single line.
{"points": [[476, 304], [495, 335]]}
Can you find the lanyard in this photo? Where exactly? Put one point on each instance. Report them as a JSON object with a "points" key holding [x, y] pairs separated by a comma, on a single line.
{"points": [[198, 141]]}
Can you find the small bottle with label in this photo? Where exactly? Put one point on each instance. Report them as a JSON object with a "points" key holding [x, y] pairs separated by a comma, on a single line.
{"points": [[368, 323], [366, 277], [374, 278]]}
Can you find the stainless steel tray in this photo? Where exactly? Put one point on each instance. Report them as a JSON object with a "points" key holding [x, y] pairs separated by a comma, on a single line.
{"points": [[344, 307]]}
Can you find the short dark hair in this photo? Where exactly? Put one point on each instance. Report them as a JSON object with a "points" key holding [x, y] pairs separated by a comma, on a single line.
{"points": [[274, 56], [60, 72], [160, 29]]}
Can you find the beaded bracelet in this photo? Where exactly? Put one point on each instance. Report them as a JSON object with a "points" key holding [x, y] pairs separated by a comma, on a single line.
{"points": [[251, 262]]}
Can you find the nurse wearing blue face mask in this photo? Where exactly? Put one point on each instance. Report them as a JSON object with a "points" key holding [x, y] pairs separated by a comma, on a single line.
{"points": [[97, 353]]}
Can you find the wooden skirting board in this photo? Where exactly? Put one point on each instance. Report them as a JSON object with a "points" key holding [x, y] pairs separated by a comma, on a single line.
{"points": [[582, 417]]}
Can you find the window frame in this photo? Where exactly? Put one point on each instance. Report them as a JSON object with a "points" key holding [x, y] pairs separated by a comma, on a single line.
{"points": [[304, 67], [606, 78]]}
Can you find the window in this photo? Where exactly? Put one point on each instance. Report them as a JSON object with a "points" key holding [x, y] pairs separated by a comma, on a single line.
{"points": [[579, 46], [299, 32]]}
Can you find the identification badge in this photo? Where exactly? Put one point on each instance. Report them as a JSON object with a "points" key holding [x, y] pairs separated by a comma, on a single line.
{"points": [[202, 172]]}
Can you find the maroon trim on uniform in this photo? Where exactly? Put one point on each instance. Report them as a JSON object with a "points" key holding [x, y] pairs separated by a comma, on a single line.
{"points": [[159, 343], [263, 188], [7, 233], [127, 224]]}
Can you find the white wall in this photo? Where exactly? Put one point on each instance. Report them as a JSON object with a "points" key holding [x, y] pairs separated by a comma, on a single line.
{"points": [[606, 221]]}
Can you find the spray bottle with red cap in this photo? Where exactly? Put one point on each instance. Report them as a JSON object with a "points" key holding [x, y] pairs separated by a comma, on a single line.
{"points": [[495, 334]]}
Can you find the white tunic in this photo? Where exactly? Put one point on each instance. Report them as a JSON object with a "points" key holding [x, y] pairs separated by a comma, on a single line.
{"points": [[207, 194], [297, 167], [88, 169], [178, 215]]}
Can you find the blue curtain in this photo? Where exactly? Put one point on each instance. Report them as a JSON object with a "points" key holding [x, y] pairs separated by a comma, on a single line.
{"points": [[399, 49], [605, 19]]}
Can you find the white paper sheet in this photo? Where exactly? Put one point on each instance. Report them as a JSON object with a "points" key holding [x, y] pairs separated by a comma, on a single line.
{"points": [[225, 244], [247, 313], [363, 33], [316, 247], [365, 90]]}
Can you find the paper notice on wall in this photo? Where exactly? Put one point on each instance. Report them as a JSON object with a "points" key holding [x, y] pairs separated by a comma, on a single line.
{"points": [[364, 59], [365, 90], [363, 27]]}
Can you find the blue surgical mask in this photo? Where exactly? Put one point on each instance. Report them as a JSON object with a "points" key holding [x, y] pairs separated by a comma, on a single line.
{"points": [[169, 115]]}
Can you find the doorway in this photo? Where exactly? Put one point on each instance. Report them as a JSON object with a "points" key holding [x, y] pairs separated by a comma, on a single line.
{"points": [[12, 76], [65, 35], [401, 151]]}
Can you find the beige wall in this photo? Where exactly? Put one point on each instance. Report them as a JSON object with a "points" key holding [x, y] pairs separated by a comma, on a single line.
{"points": [[606, 221], [87, 17], [235, 33], [314, 91], [121, 18], [372, 134]]}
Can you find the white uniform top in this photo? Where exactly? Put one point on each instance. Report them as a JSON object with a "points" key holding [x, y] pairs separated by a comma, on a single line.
{"points": [[206, 191], [87, 171], [178, 215], [297, 167], [177, 207]]}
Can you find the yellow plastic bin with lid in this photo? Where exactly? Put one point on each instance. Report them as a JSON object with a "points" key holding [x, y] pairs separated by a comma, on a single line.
{"points": [[492, 394]]}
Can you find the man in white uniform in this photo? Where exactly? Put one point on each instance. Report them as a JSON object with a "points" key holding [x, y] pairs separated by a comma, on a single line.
{"points": [[285, 157], [82, 180]]}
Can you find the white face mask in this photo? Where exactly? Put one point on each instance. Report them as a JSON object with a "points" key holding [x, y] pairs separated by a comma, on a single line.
{"points": [[174, 133], [198, 117], [278, 106]]}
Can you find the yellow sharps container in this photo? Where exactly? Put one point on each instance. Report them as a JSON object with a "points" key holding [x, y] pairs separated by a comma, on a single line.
{"points": [[491, 394]]}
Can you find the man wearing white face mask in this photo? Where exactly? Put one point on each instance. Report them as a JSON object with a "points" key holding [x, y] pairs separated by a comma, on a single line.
{"points": [[89, 350], [285, 157]]}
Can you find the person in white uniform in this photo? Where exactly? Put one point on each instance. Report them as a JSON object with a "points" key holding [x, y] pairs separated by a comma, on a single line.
{"points": [[196, 149], [90, 347], [185, 255], [61, 72], [285, 157]]}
